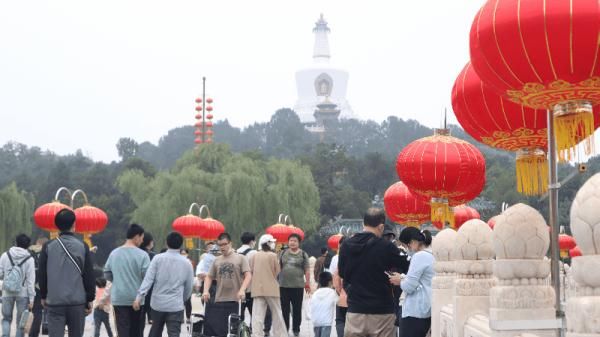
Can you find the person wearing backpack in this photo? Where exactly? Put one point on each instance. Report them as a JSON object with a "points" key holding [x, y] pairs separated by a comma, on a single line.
{"points": [[17, 269], [294, 279], [67, 282]]}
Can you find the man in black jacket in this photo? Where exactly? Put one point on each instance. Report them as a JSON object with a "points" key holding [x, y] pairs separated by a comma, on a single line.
{"points": [[364, 261], [67, 283]]}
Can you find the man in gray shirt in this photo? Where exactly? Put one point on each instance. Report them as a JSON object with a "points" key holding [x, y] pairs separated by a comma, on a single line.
{"points": [[171, 288]]}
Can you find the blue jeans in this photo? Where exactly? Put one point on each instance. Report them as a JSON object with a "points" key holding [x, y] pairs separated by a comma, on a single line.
{"points": [[322, 331], [8, 304]]}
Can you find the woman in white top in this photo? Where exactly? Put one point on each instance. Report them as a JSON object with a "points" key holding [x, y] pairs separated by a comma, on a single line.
{"points": [[416, 311]]}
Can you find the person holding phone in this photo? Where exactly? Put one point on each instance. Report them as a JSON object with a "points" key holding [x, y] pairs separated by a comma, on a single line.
{"points": [[416, 311]]}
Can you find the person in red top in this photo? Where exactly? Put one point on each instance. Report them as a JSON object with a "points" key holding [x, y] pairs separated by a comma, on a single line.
{"points": [[102, 307]]}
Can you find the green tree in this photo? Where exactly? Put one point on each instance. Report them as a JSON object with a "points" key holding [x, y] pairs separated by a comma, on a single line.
{"points": [[127, 148], [244, 193], [15, 214]]}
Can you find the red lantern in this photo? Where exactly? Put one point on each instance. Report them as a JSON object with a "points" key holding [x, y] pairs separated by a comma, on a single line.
{"points": [[279, 231], [334, 241], [543, 54], [492, 222], [45, 214], [297, 230], [500, 123], [198, 100], [209, 100], [198, 108], [565, 243], [446, 170], [403, 207], [198, 141], [209, 124], [209, 108], [211, 228], [197, 132], [209, 132], [463, 214], [89, 220], [189, 226], [198, 116], [575, 252], [198, 124], [209, 116]]}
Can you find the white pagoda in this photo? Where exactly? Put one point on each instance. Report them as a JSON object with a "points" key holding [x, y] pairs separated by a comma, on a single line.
{"points": [[321, 80]]}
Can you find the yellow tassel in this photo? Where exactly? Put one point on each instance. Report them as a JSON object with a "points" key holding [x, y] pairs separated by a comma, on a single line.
{"points": [[412, 223], [532, 172], [573, 124], [189, 243], [564, 254], [441, 212], [87, 238]]}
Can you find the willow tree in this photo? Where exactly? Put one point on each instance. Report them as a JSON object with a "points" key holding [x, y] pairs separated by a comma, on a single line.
{"points": [[15, 215], [244, 192]]}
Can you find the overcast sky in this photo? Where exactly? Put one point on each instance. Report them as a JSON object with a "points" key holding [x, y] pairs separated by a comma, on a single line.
{"points": [[81, 74]]}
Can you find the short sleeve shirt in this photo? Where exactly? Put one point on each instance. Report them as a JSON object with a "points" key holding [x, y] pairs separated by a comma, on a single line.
{"points": [[229, 271], [293, 266]]}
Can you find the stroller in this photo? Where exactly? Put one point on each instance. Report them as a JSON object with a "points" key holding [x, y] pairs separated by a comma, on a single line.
{"points": [[236, 327]]}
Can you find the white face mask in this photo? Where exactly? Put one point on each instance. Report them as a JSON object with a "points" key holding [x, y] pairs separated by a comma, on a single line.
{"points": [[272, 245]]}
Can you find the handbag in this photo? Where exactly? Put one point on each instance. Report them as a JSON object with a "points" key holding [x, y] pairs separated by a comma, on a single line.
{"points": [[26, 321]]}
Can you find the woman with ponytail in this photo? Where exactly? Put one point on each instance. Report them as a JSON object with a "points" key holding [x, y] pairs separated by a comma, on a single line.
{"points": [[416, 284]]}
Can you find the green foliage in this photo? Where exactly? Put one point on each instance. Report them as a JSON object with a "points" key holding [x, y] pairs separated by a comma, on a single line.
{"points": [[127, 148], [244, 193], [15, 214]]}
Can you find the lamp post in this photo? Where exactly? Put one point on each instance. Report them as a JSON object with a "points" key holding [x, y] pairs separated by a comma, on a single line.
{"points": [[204, 117]]}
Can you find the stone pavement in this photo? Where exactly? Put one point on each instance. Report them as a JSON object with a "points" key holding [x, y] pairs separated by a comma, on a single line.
{"points": [[305, 330]]}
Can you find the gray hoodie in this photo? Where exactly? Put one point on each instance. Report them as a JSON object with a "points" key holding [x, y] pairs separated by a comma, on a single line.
{"points": [[18, 254]]}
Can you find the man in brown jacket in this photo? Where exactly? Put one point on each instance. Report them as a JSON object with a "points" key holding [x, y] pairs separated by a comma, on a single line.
{"points": [[265, 288]]}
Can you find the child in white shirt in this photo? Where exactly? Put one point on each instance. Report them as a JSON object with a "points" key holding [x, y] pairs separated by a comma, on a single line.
{"points": [[322, 305]]}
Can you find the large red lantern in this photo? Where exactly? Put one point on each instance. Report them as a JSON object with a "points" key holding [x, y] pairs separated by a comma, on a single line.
{"points": [[190, 226], [403, 207], [464, 213], [211, 228], [443, 169], [543, 54], [500, 123], [279, 231], [44, 215], [565, 243], [334, 241], [88, 219]]}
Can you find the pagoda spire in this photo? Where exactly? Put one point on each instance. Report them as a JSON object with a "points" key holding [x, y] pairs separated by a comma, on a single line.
{"points": [[321, 50]]}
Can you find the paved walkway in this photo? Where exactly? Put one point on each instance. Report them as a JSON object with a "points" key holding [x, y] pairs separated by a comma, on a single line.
{"points": [[305, 330]]}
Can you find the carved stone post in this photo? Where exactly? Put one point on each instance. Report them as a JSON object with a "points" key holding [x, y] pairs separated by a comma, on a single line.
{"points": [[443, 281], [473, 254], [583, 307], [521, 299]]}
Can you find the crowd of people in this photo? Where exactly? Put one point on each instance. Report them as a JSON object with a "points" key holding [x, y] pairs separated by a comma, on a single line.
{"points": [[375, 285]]}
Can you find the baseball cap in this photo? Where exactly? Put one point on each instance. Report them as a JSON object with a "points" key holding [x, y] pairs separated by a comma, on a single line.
{"points": [[266, 239]]}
